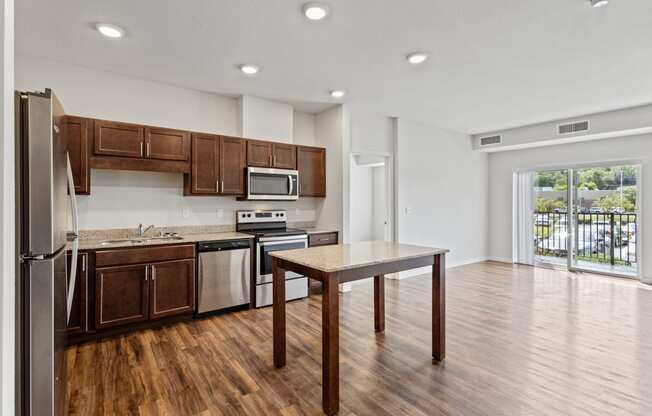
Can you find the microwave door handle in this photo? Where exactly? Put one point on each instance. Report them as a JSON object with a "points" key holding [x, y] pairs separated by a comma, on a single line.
{"points": [[291, 185]]}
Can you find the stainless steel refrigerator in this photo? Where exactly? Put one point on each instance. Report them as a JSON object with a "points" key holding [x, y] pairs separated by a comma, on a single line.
{"points": [[45, 198]]}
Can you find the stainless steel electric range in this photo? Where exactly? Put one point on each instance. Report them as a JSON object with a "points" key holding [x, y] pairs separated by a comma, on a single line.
{"points": [[272, 234]]}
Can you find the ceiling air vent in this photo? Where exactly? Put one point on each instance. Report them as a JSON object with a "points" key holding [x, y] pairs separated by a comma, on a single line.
{"points": [[489, 140], [573, 127]]}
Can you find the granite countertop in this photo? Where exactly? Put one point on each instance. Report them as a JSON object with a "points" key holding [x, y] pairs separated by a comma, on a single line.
{"points": [[96, 244], [348, 256]]}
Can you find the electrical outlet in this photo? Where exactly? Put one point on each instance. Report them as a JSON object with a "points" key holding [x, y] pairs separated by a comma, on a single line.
{"points": [[186, 213], [220, 213], [408, 210]]}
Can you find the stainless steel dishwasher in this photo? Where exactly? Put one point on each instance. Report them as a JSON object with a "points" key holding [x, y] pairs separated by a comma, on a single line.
{"points": [[224, 270]]}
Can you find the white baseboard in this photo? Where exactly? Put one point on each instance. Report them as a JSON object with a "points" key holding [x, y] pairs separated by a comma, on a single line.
{"points": [[501, 259]]}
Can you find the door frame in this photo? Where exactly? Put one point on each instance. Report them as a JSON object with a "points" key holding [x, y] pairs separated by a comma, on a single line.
{"points": [[390, 228]]}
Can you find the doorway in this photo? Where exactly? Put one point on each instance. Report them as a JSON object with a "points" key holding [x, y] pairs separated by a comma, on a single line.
{"points": [[587, 218], [370, 198]]}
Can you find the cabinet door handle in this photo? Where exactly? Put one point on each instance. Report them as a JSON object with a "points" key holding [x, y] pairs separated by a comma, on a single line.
{"points": [[141, 149], [153, 272], [222, 185], [146, 273], [217, 185], [83, 262], [149, 147]]}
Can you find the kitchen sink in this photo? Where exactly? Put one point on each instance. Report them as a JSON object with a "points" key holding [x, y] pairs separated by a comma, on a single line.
{"points": [[141, 240]]}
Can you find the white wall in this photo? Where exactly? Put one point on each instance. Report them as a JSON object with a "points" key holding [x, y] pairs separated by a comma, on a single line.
{"points": [[125, 198], [379, 202], [362, 202], [7, 210], [265, 119], [330, 133], [304, 128], [442, 192], [503, 164]]}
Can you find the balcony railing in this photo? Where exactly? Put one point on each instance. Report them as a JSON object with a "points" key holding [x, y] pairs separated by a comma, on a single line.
{"points": [[599, 237]]}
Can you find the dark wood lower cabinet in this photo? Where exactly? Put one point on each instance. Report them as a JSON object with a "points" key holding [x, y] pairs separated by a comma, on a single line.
{"points": [[121, 295], [78, 321], [172, 288]]}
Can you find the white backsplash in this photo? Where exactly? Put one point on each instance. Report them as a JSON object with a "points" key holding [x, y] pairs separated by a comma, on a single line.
{"points": [[122, 199]]}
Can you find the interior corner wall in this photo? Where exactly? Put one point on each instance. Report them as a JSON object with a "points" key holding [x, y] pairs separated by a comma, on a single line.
{"points": [[7, 213], [503, 164], [330, 133], [442, 192]]}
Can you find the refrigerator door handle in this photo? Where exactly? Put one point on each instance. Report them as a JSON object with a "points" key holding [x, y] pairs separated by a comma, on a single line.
{"points": [[74, 238]]}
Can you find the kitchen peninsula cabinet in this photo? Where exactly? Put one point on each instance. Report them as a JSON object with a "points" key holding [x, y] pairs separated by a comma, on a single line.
{"points": [[79, 131], [217, 166]]}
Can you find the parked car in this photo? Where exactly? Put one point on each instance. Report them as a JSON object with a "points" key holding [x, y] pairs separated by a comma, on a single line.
{"points": [[617, 210], [595, 210]]}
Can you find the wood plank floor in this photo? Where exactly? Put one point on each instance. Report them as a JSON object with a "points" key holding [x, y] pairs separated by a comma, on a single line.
{"points": [[521, 341]]}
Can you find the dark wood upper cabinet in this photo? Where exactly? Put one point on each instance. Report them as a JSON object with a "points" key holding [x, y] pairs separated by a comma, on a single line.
{"points": [[204, 178], [78, 133], [311, 163], [284, 156], [259, 153], [233, 161], [77, 323], [167, 144], [119, 139], [121, 295], [172, 288]]}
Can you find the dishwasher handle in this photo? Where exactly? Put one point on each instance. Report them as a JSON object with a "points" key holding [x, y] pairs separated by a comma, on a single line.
{"points": [[206, 246]]}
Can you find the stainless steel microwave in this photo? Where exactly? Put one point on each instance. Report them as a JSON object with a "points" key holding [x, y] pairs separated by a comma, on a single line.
{"points": [[272, 184]]}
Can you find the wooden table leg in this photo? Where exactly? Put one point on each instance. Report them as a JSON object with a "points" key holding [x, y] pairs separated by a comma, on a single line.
{"points": [[439, 307], [278, 291], [330, 346], [379, 303]]}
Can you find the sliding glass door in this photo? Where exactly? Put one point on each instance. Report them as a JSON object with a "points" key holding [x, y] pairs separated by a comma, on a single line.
{"points": [[605, 219], [587, 218]]}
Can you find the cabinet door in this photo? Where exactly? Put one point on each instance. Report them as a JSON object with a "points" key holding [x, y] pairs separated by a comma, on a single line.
{"points": [[204, 173], [233, 160], [121, 295], [118, 139], [78, 131], [167, 144], [172, 288], [284, 156], [77, 323], [259, 154], [311, 163]]}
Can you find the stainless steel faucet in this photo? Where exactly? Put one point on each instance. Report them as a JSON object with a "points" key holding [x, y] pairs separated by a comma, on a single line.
{"points": [[140, 231]]}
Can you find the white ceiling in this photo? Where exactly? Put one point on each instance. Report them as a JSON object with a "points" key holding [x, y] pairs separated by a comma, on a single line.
{"points": [[494, 63]]}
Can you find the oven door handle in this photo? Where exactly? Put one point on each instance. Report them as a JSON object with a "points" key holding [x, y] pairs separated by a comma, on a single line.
{"points": [[288, 241]]}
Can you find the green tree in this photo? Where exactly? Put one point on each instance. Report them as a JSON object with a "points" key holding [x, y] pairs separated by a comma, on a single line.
{"points": [[549, 205]]}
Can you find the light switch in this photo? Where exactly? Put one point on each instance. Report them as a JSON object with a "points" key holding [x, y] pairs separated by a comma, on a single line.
{"points": [[408, 210]]}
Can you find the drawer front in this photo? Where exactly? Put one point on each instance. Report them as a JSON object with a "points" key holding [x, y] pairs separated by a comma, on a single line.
{"points": [[143, 255], [294, 289], [322, 239]]}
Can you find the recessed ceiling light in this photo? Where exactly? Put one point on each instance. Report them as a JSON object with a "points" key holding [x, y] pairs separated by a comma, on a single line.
{"points": [[315, 11], [249, 69], [417, 58], [599, 3], [110, 31], [337, 93]]}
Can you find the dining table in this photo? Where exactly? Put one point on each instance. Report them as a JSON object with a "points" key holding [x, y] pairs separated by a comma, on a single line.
{"points": [[333, 265]]}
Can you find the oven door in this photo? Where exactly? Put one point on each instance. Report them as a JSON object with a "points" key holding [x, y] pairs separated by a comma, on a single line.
{"points": [[272, 184], [264, 260]]}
